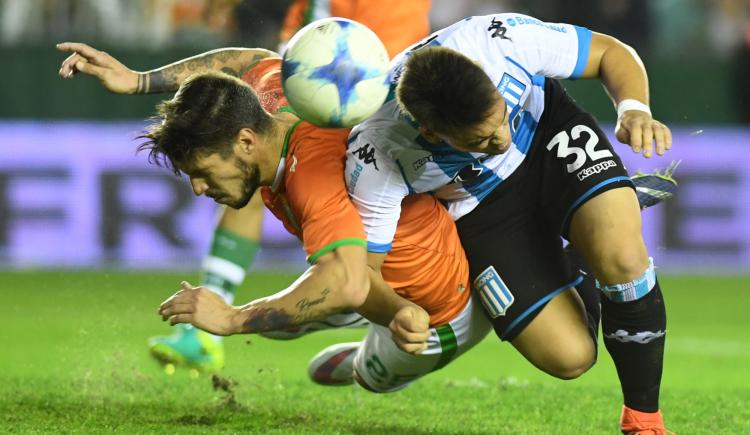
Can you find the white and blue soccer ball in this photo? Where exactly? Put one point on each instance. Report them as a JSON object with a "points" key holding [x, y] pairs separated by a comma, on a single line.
{"points": [[335, 72]]}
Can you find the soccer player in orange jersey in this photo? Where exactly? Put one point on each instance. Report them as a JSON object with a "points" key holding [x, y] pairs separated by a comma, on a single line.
{"points": [[298, 169], [237, 234]]}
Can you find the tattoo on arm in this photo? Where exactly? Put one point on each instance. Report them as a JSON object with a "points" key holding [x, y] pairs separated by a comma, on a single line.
{"points": [[139, 88], [267, 319], [304, 304], [270, 319], [169, 78]]}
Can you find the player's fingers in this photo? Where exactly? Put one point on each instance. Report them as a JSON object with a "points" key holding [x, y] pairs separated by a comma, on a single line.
{"points": [[180, 318], [67, 69], [85, 50], [89, 68], [648, 140], [179, 297], [186, 285], [178, 308], [667, 137], [413, 348], [636, 138], [660, 139], [410, 336]]}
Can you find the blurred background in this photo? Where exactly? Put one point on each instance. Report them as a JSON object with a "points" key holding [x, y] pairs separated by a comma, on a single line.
{"points": [[73, 194]]}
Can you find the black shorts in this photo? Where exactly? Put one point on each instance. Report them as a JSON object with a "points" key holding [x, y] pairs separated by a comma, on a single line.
{"points": [[513, 237]]}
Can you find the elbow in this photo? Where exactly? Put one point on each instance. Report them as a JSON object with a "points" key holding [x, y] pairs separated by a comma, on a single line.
{"points": [[354, 289], [347, 276]]}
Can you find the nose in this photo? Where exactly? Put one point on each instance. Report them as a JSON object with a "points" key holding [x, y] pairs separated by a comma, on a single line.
{"points": [[199, 186]]}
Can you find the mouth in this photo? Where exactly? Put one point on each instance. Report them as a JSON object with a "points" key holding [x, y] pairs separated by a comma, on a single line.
{"points": [[502, 148]]}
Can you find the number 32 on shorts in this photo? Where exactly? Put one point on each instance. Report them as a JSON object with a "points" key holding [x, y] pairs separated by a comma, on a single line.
{"points": [[562, 142]]}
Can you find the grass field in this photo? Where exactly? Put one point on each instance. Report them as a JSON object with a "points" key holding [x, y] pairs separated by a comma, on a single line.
{"points": [[74, 359]]}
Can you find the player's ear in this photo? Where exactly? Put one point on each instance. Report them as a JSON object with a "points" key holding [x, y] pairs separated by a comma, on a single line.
{"points": [[430, 135], [246, 139]]}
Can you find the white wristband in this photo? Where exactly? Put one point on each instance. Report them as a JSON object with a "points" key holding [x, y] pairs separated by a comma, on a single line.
{"points": [[631, 104]]}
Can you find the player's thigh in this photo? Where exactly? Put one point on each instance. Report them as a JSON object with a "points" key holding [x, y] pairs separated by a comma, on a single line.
{"points": [[558, 341], [571, 160], [516, 263], [380, 366], [606, 229]]}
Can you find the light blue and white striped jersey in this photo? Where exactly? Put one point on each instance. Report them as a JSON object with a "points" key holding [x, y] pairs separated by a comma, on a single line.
{"points": [[387, 158]]}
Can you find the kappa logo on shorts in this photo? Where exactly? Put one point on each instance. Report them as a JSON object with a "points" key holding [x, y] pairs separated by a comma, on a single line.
{"points": [[495, 295]]}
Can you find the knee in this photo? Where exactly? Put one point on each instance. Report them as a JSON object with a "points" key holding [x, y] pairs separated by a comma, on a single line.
{"points": [[572, 365], [622, 263], [567, 360]]}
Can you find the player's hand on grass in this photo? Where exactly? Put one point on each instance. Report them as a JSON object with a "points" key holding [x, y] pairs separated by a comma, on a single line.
{"points": [[410, 329], [643, 133], [201, 307], [115, 76]]}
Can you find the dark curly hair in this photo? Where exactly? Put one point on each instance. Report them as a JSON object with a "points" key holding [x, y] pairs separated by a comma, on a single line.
{"points": [[202, 119]]}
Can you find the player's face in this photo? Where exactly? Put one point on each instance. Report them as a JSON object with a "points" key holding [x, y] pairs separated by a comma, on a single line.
{"points": [[229, 181], [492, 136]]}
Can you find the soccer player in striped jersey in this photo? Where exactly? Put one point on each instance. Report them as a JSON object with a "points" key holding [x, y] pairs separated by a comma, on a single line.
{"points": [[482, 122]]}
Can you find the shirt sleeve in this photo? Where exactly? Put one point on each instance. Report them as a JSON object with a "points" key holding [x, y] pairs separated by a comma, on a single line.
{"points": [[317, 196], [377, 187], [555, 50]]}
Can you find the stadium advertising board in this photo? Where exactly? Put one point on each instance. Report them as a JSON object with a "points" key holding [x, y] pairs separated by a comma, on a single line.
{"points": [[76, 195]]}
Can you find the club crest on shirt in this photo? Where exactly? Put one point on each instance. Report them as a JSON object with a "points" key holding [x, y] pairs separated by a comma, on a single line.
{"points": [[511, 89]]}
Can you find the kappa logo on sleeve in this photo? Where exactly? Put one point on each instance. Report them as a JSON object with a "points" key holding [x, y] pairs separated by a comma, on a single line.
{"points": [[367, 155], [495, 295]]}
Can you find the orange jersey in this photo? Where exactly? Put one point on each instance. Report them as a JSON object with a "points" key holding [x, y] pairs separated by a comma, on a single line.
{"points": [[426, 264], [398, 23]]}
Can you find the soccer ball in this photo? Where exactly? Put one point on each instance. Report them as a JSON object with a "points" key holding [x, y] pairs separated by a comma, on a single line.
{"points": [[335, 72]]}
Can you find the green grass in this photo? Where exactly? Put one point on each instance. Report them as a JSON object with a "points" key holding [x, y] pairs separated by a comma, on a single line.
{"points": [[74, 359]]}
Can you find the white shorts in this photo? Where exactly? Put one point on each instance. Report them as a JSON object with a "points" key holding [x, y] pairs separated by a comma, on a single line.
{"points": [[386, 368]]}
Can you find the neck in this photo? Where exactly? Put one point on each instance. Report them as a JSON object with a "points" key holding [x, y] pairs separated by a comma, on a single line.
{"points": [[282, 122]]}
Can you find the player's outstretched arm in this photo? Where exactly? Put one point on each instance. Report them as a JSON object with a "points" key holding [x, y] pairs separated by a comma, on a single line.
{"points": [[337, 281], [409, 323], [120, 79], [624, 76]]}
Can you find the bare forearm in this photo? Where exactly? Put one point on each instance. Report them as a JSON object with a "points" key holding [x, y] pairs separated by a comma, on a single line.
{"points": [[317, 294], [623, 74], [270, 314], [233, 61], [382, 302]]}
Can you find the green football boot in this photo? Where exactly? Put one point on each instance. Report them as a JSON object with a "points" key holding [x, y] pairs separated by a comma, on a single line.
{"points": [[656, 187], [188, 347]]}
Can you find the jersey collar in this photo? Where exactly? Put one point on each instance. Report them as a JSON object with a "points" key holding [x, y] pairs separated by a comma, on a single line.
{"points": [[284, 149]]}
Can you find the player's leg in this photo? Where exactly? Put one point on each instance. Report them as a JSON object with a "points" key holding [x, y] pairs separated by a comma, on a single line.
{"points": [[558, 341], [378, 365], [521, 273], [235, 243], [607, 231], [587, 194]]}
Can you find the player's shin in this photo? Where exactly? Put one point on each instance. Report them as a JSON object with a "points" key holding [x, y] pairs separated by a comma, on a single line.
{"points": [[226, 264], [634, 325]]}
